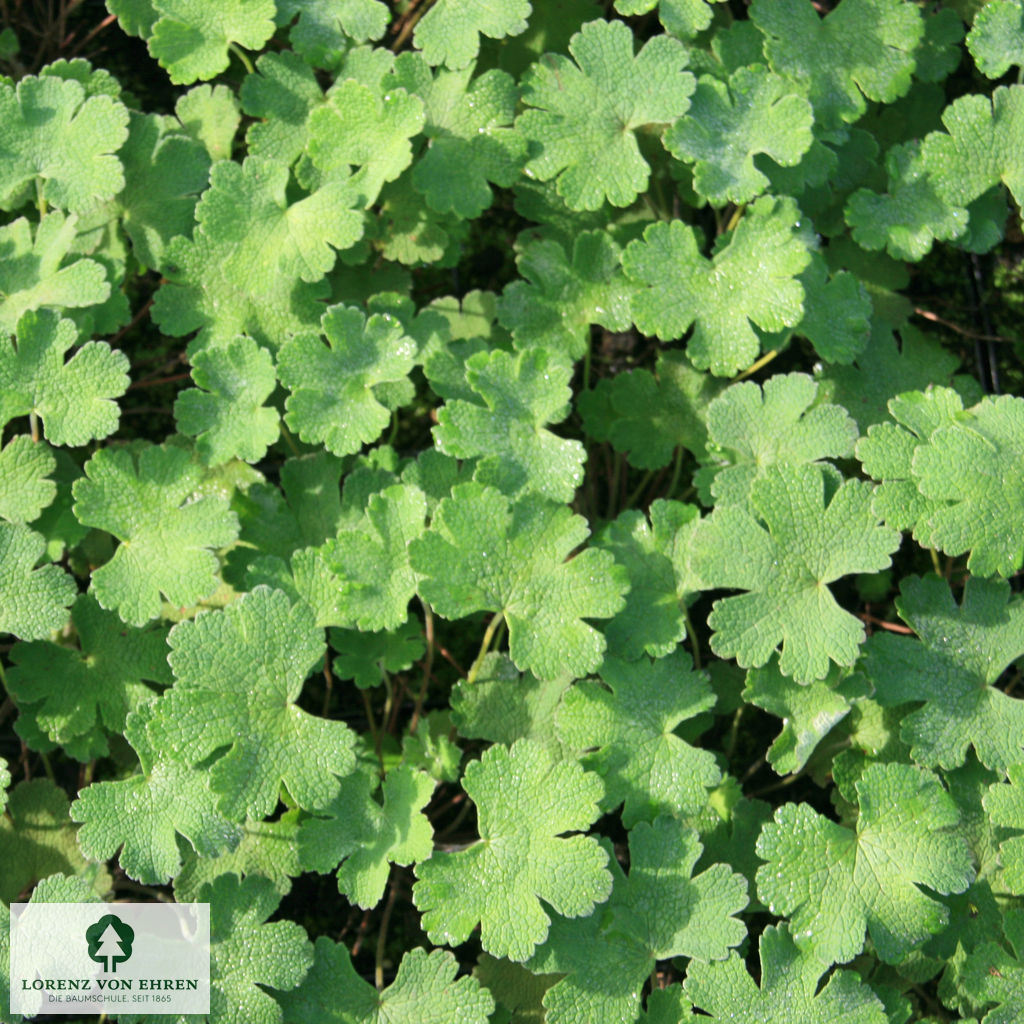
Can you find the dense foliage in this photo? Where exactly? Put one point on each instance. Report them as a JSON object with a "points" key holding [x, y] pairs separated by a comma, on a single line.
{"points": [[520, 506]]}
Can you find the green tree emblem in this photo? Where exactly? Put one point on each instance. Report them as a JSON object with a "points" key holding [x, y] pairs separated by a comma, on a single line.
{"points": [[110, 942]]}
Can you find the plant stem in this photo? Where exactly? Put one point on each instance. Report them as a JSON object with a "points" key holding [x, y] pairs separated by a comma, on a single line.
{"points": [[492, 628], [385, 920], [242, 56], [692, 634], [757, 365], [631, 501], [428, 665]]}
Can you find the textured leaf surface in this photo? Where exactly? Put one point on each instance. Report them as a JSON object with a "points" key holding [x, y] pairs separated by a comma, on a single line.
{"points": [[38, 839], [660, 581], [507, 428], [483, 554], [145, 812], [368, 837], [37, 270], [469, 125], [788, 988], [191, 38], [562, 295], [425, 991], [974, 473], [751, 281], [833, 883], [239, 672], [326, 28], [961, 653], [225, 413], [166, 531], [861, 50], [332, 398], [587, 111], [629, 724], [1004, 803], [76, 399], [729, 123], [52, 131], [752, 428], [372, 560], [32, 601], [256, 260], [996, 39], [25, 490], [785, 565], [246, 952], [525, 802], [74, 691], [450, 31]]}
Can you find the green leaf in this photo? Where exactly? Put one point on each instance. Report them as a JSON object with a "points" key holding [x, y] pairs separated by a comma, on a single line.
{"points": [[367, 837], [37, 839], [971, 471], [788, 990], [961, 653], [192, 38], [246, 952], [333, 400], [325, 29], [38, 271], [76, 399], [648, 416], [506, 429], [807, 541], [837, 312], [281, 96], [165, 172], [808, 712], [52, 133], [525, 803], [660, 582], [77, 691], [33, 602], [449, 33], [587, 112], [267, 848], [982, 147], [145, 812], [629, 723], [995, 975], [996, 39], [225, 413], [359, 126], [469, 125], [239, 672], [371, 561], [887, 368], [425, 991], [1004, 803], [483, 554], [910, 216], [861, 50], [25, 490], [562, 296], [166, 532], [750, 281], [369, 657], [503, 706], [833, 883], [256, 262], [209, 114], [752, 428], [682, 18], [729, 123]]}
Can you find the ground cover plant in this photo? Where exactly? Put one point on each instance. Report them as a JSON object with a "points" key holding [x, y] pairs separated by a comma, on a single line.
{"points": [[520, 506]]}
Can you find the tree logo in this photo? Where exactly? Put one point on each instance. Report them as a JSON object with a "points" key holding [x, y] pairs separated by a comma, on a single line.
{"points": [[110, 942]]}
